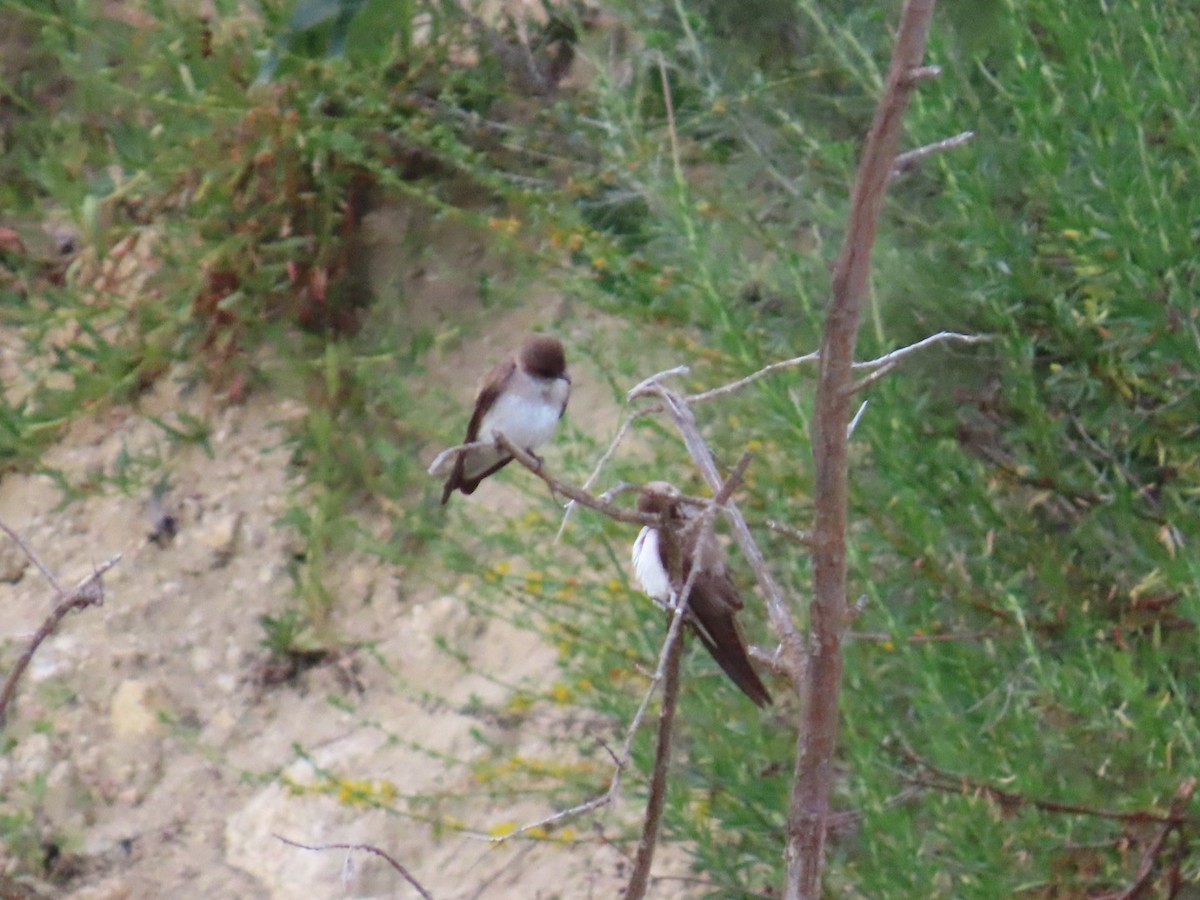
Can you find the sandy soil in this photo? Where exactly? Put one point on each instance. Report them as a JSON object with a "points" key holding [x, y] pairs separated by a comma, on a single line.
{"points": [[158, 750]]}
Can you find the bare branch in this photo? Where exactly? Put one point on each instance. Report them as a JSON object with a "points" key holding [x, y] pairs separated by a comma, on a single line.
{"points": [[640, 877], [921, 345], [885, 364], [645, 386], [444, 461], [774, 367], [1150, 856], [535, 465], [878, 375], [793, 534], [797, 361], [89, 592], [910, 158], [921, 73], [600, 464], [955, 783], [884, 638], [28, 551], [365, 848], [829, 614]]}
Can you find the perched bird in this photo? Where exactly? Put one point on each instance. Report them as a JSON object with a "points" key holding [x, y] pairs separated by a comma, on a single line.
{"points": [[662, 563], [523, 399]]}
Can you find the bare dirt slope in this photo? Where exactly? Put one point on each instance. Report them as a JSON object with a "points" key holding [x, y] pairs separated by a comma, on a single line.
{"points": [[158, 750]]}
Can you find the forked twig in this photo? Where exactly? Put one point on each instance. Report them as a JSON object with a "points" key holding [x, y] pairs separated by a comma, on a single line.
{"points": [[34, 558], [89, 592], [534, 465], [815, 356], [600, 464]]}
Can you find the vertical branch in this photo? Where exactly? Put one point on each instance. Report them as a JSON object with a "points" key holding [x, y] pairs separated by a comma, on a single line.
{"points": [[640, 880], [809, 806]]}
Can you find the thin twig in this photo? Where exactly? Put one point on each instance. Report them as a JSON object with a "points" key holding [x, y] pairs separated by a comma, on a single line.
{"points": [[878, 375], [535, 465], [910, 158], [857, 416], [365, 848], [639, 879], [438, 469], [883, 637], [89, 592], [815, 356], [28, 551], [921, 345], [600, 464], [804, 538], [646, 384], [774, 367]]}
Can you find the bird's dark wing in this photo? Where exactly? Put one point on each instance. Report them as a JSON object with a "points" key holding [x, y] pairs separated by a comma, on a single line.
{"points": [[712, 618], [493, 385]]}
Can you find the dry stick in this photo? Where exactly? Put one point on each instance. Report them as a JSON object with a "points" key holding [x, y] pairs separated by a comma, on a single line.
{"points": [[910, 158], [89, 592], [808, 809], [603, 461], [28, 551], [365, 848], [640, 878], [797, 361], [884, 638], [803, 538], [582, 497]]}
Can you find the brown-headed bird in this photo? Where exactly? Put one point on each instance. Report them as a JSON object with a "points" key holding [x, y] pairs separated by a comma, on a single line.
{"points": [[662, 562], [522, 398]]}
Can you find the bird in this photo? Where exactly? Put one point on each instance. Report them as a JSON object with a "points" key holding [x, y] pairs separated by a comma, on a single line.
{"points": [[522, 398], [662, 563]]}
